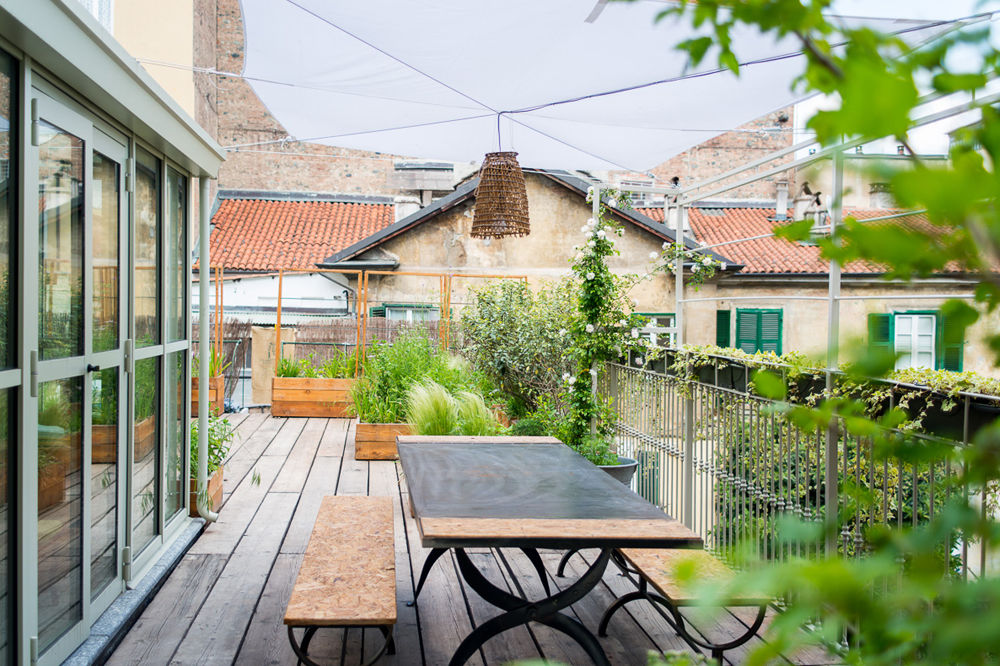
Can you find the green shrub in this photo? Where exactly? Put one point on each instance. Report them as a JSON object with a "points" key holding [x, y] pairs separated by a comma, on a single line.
{"points": [[529, 426], [474, 417], [519, 340], [220, 435], [380, 394]]}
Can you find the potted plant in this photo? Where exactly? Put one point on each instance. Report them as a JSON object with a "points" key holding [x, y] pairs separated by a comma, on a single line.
{"points": [[217, 365], [220, 435], [381, 394], [302, 389]]}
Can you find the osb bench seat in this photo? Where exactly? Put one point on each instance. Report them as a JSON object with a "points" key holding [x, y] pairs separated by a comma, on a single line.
{"points": [[656, 568], [348, 574]]}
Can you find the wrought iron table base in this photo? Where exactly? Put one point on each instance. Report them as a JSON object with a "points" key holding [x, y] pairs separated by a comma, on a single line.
{"points": [[436, 553], [674, 618], [522, 611], [302, 652]]}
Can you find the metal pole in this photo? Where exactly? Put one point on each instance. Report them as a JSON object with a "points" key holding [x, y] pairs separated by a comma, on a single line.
{"points": [[678, 274], [595, 207], [832, 344], [204, 277]]}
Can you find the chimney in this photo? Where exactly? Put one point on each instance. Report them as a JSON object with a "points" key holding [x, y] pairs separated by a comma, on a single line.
{"points": [[802, 202], [406, 206], [879, 196], [781, 205]]}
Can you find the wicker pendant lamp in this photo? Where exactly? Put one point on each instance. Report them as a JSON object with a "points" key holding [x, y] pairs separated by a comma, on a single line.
{"points": [[501, 200]]}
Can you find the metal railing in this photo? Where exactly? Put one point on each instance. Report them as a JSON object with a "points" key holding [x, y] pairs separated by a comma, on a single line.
{"points": [[725, 463]]}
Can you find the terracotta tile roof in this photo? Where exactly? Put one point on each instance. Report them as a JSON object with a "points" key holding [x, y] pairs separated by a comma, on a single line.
{"points": [[772, 255], [262, 234]]}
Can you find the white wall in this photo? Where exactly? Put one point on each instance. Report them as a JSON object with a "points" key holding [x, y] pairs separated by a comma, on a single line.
{"points": [[306, 291]]}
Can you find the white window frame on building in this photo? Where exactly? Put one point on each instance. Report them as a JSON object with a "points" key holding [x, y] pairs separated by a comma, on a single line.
{"points": [[915, 340]]}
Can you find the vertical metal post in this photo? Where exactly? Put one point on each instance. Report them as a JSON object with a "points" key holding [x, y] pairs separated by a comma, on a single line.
{"points": [[595, 207], [687, 480], [205, 347], [678, 271], [832, 344]]}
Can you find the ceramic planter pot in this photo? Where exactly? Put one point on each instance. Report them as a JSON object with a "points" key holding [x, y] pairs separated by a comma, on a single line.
{"points": [[623, 471]]}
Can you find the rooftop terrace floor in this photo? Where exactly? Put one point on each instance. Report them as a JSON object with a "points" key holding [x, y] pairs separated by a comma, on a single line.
{"points": [[225, 601]]}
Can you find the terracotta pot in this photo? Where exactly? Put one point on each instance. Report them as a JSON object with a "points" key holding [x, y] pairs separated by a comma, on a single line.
{"points": [[214, 493], [311, 396]]}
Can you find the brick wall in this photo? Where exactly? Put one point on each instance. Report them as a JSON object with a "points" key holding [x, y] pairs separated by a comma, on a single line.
{"points": [[242, 118]]}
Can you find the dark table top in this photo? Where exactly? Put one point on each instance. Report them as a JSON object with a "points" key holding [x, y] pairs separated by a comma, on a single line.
{"points": [[468, 493]]}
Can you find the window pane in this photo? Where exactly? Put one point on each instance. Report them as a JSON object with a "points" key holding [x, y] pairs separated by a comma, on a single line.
{"points": [[103, 479], [176, 251], [60, 243], [175, 424], [60, 504], [8, 160], [104, 208], [146, 437], [7, 544], [147, 249]]}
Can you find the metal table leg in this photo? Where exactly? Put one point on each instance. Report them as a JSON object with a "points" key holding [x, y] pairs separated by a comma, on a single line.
{"points": [[521, 611], [432, 557]]}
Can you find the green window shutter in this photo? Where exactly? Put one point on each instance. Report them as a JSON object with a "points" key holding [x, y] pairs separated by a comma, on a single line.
{"points": [[722, 328], [376, 311], [950, 346], [880, 332], [770, 331], [747, 328]]}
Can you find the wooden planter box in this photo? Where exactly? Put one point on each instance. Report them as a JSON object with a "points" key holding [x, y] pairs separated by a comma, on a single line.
{"points": [[214, 493], [377, 441], [51, 485], [104, 444], [145, 437], [311, 396], [216, 395]]}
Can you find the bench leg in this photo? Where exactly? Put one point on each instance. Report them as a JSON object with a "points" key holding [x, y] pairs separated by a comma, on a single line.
{"points": [[432, 557], [302, 652], [602, 629], [388, 647]]}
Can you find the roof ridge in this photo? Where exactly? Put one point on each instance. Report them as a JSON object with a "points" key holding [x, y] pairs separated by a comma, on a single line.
{"points": [[306, 197]]}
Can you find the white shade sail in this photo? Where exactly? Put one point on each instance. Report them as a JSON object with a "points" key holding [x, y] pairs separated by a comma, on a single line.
{"points": [[431, 78]]}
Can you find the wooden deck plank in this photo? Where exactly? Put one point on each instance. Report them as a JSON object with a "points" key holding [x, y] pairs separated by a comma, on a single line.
{"points": [[266, 639], [294, 472], [282, 443], [353, 473], [162, 626], [217, 631], [322, 480], [239, 464], [335, 437]]}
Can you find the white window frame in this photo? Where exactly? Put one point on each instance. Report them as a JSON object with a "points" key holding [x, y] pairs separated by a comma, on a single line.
{"points": [[907, 338]]}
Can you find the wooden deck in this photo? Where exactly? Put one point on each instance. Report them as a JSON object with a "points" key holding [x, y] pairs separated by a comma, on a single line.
{"points": [[225, 601]]}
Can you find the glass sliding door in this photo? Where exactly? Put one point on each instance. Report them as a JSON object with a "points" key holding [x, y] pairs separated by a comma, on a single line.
{"points": [[9, 377], [79, 381]]}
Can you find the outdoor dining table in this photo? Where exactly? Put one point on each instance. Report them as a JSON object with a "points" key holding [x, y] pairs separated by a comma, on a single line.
{"points": [[481, 493]]}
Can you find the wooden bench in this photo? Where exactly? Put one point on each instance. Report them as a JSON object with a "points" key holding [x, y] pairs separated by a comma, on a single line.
{"points": [[655, 568], [348, 574]]}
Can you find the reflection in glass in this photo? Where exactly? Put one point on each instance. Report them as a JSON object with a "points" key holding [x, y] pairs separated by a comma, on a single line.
{"points": [[144, 468], [104, 209], [175, 424], [6, 427], [8, 162], [60, 243], [103, 478], [176, 252], [60, 541], [146, 277]]}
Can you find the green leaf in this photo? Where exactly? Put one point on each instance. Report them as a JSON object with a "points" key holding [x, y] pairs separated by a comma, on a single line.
{"points": [[948, 82], [794, 231], [769, 385]]}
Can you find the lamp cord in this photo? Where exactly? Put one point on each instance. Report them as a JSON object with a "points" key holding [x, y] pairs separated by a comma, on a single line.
{"points": [[499, 146]]}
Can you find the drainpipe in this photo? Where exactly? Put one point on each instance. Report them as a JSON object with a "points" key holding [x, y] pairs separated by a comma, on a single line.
{"points": [[204, 275]]}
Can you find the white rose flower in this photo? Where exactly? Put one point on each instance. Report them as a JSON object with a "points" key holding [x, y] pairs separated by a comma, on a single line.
{"points": [[562, 331], [601, 233], [635, 302], [613, 203], [590, 276], [584, 229], [591, 243], [623, 323], [638, 360], [572, 380], [591, 222], [722, 266], [695, 268], [635, 333], [590, 328], [665, 245], [653, 255], [707, 261], [566, 376]]}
